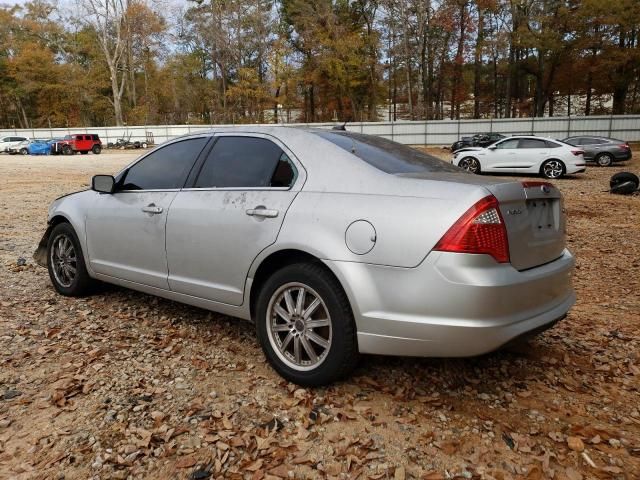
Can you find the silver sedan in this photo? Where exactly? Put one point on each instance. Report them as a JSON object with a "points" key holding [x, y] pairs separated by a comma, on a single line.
{"points": [[333, 243]]}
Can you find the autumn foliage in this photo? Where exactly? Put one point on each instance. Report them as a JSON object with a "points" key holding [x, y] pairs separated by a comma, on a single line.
{"points": [[112, 62]]}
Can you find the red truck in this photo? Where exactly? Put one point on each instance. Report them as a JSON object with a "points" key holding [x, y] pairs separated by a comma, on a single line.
{"points": [[78, 142]]}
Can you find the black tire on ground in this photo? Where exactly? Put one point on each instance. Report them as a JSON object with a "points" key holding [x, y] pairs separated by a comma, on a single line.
{"points": [[604, 159], [67, 150], [470, 164], [96, 149], [624, 183], [342, 355], [80, 283], [24, 151], [553, 169]]}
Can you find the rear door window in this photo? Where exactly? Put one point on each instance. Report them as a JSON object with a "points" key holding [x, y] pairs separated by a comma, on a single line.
{"points": [[246, 162], [166, 168]]}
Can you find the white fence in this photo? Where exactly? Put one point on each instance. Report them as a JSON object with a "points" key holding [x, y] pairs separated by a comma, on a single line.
{"points": [[435, 132]]}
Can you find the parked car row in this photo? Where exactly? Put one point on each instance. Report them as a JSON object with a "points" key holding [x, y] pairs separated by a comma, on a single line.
{"points": [[67, 145], [548, 157]]}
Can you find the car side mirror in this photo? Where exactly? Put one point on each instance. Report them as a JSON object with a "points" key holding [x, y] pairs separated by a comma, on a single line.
{"points": [[103, 183]]}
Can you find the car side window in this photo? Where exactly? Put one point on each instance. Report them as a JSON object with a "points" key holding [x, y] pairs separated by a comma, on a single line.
{"points": [[165, 168], [250, 162], [532, 143], [507, 144], [551, 144]]}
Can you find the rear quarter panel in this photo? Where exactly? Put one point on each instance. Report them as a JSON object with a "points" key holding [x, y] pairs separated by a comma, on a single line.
{"points": [[406, 227]]}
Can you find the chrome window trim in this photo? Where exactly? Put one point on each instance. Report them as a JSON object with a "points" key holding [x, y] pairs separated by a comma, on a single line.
{"points": [[237, 189], [150, 190]]}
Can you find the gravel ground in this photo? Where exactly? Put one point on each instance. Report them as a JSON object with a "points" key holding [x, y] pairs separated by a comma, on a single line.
{"points": [[125, 385]]}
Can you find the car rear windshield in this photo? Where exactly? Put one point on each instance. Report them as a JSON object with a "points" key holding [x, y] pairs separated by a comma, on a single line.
{"points": [[390, 157]]}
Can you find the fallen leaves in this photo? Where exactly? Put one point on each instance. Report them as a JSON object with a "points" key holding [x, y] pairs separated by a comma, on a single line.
{"points": [[125, 384]]}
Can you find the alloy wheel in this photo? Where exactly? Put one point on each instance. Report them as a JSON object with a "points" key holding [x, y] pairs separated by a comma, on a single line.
{"points": [[299, 326], [470, 164], [553, 169], [605, 160], [64, 262]]}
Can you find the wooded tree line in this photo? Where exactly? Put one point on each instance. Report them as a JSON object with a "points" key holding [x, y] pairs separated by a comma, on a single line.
{"points": [[114, 62]]}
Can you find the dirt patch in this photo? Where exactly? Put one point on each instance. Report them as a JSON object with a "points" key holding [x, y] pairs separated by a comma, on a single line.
{"points": [[125, 385]]}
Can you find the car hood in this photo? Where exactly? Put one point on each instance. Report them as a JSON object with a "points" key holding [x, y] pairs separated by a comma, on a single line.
{"points": [[470, 149]]}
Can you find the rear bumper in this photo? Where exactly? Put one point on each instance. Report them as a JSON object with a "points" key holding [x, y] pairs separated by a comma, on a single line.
{"points": [[576, 168], [453, 305]]}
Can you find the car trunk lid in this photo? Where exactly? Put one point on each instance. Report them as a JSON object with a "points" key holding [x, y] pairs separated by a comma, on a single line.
{"points": [[533, 214], [534, 217]]}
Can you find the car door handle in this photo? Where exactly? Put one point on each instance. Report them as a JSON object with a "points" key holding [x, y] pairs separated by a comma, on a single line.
{"points": [[262, 212], [151, 208]]}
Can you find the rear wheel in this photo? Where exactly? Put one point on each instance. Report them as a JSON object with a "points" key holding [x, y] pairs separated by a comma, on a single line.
{"points": [[65, 262], [553, 169], [470, 164], [24, 151], [67, 150], [305, 325], [96, 149], [604, 159]]}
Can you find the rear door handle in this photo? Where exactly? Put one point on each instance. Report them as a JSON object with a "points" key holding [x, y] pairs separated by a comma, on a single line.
{"points": [[151, 208], [262, 212]]}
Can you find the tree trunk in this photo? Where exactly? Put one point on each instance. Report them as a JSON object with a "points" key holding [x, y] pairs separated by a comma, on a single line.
{"points": [[477, 63], [457, 68]]}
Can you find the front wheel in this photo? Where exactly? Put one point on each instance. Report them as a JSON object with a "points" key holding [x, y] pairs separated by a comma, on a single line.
{"points": [[604, 159], [470, 164], [305, 325], [67, 150], [65, 262], [24, 151], [552, 169], [96, 149]]}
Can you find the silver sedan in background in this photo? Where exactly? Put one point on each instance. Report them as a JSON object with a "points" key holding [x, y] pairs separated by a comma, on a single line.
{"points": [[333, 243]]}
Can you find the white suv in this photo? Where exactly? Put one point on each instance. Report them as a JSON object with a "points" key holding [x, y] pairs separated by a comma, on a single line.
{"points": [[523, 154], [8, 142]]}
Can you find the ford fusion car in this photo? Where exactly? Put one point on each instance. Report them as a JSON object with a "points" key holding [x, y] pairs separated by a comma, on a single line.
{"points": [[333, 243], [523, 154]]}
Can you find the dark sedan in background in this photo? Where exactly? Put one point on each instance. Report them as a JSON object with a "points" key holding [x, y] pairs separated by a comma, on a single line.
{"points": [[478, 140], [601, 150]]}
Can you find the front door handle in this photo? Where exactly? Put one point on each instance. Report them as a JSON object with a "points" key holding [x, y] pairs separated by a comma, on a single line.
{"points": [[151, 208], [262, 212]]}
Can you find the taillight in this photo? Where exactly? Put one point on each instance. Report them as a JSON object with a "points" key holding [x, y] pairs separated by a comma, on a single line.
{"points": [[480, 230], [625, 146], [577, 152]]}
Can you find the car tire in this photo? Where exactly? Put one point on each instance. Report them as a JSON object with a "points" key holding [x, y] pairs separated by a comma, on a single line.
{"points": [[552, 169], [624, 183], [65, 262], [470, 164], [67, 150], [604, 160], [144, 145], [307, 346], [24, 151], [96, 149]]}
